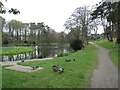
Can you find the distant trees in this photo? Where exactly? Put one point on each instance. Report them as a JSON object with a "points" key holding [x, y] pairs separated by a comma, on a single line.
{"points": [[86, 19], [62, 37], [32, 34], [109, 14], [93, 27], [18, 33], [4, 10], [78, 24], [14, 28], [25, 32]]}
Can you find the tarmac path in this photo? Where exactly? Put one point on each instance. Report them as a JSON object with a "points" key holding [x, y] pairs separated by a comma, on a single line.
{"points": [[106, 73]]}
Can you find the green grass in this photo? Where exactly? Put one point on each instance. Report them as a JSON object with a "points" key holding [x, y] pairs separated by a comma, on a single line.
{"points": [[114, 56], [112, 47], [77, 73], [106, 44], [15, 50], [0, 77]]}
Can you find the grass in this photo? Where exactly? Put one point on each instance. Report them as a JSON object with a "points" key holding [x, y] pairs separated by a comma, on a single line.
{"points": [[0, 77], [77, 73], [15, 50], [114, 56], [106, 44], [112, 47]]}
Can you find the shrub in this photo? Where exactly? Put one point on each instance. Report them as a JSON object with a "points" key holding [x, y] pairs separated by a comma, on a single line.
{"points": [[62, 54], [25, 41], [5, 42], [41, 56], [76, 44]]}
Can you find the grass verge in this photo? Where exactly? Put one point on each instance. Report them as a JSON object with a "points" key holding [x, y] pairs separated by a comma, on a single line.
{"points": [[77, 73], [106, 44], [0, 77], [114, 56]]}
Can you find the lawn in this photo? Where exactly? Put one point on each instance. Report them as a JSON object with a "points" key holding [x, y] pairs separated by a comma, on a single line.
{"points": [[106, 44], [15, 50], [112, 47], [114, 56], [0, 77], [77, 73]]}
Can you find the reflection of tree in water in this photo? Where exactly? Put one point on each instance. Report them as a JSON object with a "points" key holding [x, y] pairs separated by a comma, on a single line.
{"points": [[45, 51], [41, 52], [50, 51]]}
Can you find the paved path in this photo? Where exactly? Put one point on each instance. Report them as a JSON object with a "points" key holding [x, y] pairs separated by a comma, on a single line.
{"points": [[23, 68], [15, 62], [106, 73], [20, 67]]}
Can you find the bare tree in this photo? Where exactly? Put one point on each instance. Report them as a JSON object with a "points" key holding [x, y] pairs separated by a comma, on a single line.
{"points": [[79, 22]]}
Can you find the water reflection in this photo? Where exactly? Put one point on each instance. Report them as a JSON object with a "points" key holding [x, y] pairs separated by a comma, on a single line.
{"points": [[40, 52]]}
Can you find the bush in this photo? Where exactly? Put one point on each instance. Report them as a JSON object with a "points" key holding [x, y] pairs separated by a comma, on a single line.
{"points": [[76, 44], [62, 54], [5, 42], [25, 41], [41, 56]]}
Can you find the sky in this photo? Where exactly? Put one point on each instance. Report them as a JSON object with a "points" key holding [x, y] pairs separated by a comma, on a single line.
{"points": [[53, 13]]}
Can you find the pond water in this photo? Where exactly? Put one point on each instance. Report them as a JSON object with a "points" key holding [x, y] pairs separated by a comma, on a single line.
{"points": [[40, 52]]}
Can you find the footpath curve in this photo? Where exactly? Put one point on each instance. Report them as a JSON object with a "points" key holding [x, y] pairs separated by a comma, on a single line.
{"points": [[15, 62], [15, 66], [106, 73]]}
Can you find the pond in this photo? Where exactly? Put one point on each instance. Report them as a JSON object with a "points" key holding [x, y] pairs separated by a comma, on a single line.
{"points": [[40, 52]]}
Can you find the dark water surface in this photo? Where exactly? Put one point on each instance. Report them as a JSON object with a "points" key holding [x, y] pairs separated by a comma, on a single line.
{"points": [[40, 52]]}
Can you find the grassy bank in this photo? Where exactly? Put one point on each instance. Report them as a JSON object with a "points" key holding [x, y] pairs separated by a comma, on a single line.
{"points": [[106, 44], [1, 77], [15, 50], [112, 47], [114, 56], [76, 75]]}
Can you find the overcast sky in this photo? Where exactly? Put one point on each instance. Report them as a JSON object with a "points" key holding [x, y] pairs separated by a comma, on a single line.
{"points": [[53, 13]]}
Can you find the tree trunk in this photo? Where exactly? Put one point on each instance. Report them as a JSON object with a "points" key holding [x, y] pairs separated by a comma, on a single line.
{"points": [[118, 26], [25, 35], [20, 35], [118, 33], [107, 35], [17, 36], [111, 32]]}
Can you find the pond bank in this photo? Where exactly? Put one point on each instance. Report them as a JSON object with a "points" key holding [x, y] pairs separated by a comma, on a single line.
{"points": [[16, 53], [15, 62], [76, 73]]}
